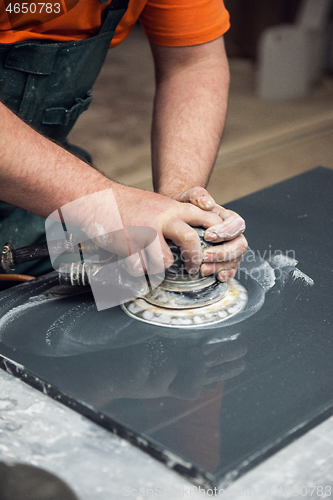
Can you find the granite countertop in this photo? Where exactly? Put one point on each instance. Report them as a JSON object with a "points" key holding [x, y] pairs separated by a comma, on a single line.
{"points": [[213, 405], [98, 465]]}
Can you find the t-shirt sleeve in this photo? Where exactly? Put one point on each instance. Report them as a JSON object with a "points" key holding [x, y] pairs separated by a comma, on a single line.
{"points": [[184, 22]]}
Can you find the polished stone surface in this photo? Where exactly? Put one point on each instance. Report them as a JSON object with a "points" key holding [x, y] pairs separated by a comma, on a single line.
{"points": [[209, 403], [97, 465]]}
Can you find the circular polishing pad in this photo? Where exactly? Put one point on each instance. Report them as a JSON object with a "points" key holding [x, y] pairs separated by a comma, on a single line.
{"points": [[231, 301]]}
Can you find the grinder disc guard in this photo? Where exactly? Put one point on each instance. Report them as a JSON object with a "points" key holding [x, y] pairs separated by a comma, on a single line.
{"points": [[232, 300]]}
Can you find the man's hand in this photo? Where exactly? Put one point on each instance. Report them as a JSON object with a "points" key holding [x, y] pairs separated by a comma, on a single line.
{"points": [[138, 208], [224, 259]]}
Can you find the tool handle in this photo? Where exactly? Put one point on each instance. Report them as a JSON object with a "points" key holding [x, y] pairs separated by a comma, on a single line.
{"points": [[11, 257], [29, 253]]}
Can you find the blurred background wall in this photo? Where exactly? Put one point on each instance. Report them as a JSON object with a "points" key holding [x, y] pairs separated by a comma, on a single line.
{"points": [[251, 18], [264, 141]]}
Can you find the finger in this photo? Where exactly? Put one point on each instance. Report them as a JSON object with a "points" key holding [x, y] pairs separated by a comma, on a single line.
{"points": [[227, 252], [224, 213], [166, 252], [197, 217], [187, 239], [154, 257], [135, 264], [198, 196], [232, 226], [226, 275], [208, 269], [227, 230]]}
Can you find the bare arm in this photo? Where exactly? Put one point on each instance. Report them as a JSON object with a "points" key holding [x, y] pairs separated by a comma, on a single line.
{"points": [[41, 177], [189, 114], [37, 174]]}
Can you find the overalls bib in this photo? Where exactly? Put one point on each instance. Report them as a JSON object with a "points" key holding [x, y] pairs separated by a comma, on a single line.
{"points": [[48, 85]]}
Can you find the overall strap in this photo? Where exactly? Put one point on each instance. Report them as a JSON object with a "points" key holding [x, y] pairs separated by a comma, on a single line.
{"points": [[113, 14]]}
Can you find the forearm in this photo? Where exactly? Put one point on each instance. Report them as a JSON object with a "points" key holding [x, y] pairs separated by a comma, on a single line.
{"points": [[189, 114], [41, 177], [37, 174]]}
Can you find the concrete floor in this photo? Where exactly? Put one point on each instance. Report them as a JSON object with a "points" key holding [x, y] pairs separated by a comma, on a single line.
{"points": [[263, 142]]}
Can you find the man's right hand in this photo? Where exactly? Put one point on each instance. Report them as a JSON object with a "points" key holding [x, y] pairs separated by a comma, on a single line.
{"points": [[171, 220]]}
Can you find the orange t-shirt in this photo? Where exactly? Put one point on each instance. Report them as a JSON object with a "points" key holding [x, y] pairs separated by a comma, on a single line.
{"points": [[166, 22]]}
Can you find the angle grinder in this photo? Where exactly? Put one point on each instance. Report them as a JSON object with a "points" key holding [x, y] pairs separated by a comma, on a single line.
{"points": [[181, 300], [188, 300]]}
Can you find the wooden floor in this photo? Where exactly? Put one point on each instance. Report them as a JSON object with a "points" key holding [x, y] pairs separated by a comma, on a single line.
{"points": [[263, 142]]}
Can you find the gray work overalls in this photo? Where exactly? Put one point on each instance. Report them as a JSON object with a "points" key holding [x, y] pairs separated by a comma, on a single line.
{"points": [[48, 85]]}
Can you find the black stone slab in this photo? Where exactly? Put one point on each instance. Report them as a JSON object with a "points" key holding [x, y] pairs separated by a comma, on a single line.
{"points": [[208, 403]]}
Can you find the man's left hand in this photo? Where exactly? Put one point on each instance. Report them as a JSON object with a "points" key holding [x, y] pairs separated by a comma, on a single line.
{"points": [[223, 259]]}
